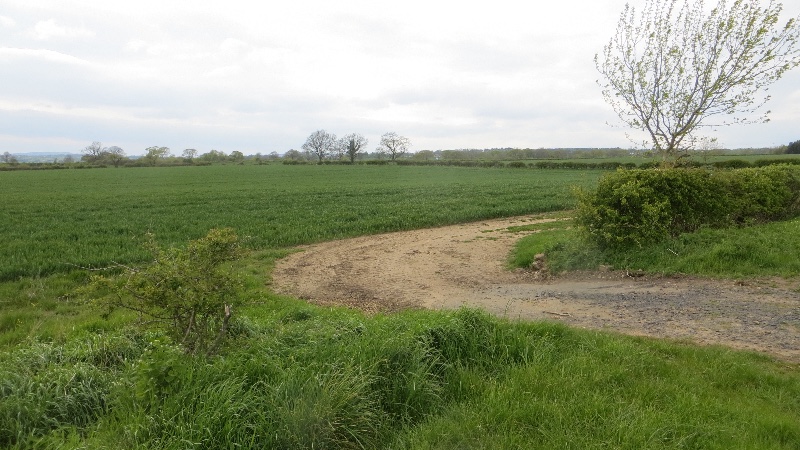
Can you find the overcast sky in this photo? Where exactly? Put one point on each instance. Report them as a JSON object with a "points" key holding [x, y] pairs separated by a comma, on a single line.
{"points": [[261, 76]]}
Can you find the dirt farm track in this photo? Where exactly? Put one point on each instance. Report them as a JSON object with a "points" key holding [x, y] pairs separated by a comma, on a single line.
{"points": [[465, 265]]}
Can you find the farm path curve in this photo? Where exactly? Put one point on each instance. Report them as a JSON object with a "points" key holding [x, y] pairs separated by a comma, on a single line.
{"points": [[465, 265]]}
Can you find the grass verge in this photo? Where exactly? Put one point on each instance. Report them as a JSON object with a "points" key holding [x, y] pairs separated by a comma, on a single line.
{"points": [[299, 376], [755, 251]]}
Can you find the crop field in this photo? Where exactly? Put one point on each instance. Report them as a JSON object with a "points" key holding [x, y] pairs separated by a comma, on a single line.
{"points": [[53, 221], [296, 375]]}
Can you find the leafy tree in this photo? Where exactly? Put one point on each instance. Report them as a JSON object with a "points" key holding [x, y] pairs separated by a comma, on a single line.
{"points": [[155, 153], [670, 69], [793, 147], [293, 155], [189, 154], [394, 145], [214, 156], [424, 155], [188, 292], [353, 145], [320, 144], [114, 156], [236, 156]]}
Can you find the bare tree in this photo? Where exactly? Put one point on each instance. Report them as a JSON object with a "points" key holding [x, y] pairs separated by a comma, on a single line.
{"points": [[669, 69], [394, 145], [93, 152], [353, 144], [8, 158], [321, 144]]}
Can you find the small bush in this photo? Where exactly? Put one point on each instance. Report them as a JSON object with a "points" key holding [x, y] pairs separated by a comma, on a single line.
{"points": [[639, 207], [186, 291]]}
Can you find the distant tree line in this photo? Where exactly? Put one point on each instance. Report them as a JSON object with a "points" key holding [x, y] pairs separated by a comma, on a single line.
{"points": [[323, 147]]}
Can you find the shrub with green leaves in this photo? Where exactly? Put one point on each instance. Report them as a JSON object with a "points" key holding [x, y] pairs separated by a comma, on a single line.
{"points": [[640, 207], [187, 291]]}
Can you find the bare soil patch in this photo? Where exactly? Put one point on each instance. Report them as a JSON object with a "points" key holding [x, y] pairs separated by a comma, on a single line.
{"points": [[465, 265]]}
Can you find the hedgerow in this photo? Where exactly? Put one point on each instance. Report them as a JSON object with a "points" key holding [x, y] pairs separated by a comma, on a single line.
{"points": [[640, 207]]}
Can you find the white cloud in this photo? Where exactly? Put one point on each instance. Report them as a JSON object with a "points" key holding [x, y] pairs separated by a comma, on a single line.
{"points": [[263, 75], [6, 53], [7, 22], [49, 29], [135, 45]]}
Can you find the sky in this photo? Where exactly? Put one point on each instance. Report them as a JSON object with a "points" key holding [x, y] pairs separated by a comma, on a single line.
{"points": [[259, 77]]}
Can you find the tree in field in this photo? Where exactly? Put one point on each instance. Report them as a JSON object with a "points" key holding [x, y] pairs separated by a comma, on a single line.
{"points": [[236, 156], [97, 154], [214, 156], [321, 144], [155, 153], [793, 147], [93, 152], [189, 154], [113, 155], [393, 145], [353, 145], [292, 155], [670, 69], [424, 155]]}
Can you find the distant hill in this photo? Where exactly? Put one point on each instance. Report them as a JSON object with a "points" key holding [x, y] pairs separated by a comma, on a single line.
{"points": [[44, 157]]}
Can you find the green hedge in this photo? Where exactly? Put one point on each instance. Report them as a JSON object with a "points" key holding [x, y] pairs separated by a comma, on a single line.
{"points": [[639, 207]]}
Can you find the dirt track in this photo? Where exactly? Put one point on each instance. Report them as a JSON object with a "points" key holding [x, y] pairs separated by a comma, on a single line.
{"points": [[464, 265]]}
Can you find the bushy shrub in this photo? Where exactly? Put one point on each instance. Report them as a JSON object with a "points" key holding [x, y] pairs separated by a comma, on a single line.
{"points": [[639, 207], [186, 291]]}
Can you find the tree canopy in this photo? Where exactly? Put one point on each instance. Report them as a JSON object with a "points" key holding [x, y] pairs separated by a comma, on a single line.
{"points": [[320, 143], [668, 70], [394, 145], [353, 144]]}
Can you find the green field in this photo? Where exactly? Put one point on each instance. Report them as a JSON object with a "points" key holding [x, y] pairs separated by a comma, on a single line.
{"points": [[55, 220], [295, 375]]}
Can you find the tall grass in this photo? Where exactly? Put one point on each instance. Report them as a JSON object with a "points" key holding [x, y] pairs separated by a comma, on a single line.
{"points": [[305, 377]]}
